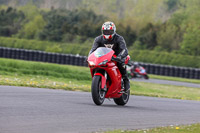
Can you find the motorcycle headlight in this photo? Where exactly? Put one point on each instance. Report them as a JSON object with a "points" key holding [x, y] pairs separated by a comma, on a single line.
{"points": [[91, 63], [103, 63]]}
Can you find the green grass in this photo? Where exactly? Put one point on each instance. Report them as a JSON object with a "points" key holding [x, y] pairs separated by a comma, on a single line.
{"points": [[45, 82], [45, 75], [167, 91], [10, 66], [175, 79], [194, 128]]}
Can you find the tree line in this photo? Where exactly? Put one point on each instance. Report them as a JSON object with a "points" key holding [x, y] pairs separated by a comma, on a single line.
{"points": [[179, 34]]}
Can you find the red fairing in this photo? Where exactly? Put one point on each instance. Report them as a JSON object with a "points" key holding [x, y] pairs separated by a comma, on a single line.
{"points": [[115, 87], [103, 80], [113, 83], [140, 69], [137, 70], [98, 60]]}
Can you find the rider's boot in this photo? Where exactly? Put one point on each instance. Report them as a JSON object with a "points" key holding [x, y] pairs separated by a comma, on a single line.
{"points": [[122, 69], [126, 83]]}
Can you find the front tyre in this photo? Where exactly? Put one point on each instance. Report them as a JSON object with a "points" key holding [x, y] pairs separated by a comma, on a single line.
{"points": [[123, 99], [98, 95]]}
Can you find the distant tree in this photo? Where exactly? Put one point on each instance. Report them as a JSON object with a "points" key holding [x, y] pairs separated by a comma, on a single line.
{"points": [[148, 36], [10, 21], [168, 38], [32, 29], [128, 33], [53, 30], [62, 22], [30, 11], [191, 40], [84, 23], [171, 4], [33, 23]]}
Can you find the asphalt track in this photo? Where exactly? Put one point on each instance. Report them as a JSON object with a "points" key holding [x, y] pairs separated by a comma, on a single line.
{"points": [[168, 82], [36, 110]]}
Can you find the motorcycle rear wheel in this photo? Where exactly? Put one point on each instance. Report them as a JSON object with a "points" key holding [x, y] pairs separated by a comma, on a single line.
{"points": [[123, 99], [98, 95]]}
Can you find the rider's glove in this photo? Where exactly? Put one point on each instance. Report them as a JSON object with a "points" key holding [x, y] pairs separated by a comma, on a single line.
{"points": [[118, 57], [121, 60]]}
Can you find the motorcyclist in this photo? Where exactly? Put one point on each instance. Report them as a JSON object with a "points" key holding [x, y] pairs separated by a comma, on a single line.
{"points": [[111, 39], [136, 65]]}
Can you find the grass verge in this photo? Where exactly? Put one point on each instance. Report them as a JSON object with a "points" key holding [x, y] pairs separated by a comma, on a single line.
{"points": [[45, 75], [137, 88], [196, 81], [194, 128]]}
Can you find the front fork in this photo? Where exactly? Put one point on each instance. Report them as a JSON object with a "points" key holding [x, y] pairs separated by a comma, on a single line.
{"points": [[103, 80]]}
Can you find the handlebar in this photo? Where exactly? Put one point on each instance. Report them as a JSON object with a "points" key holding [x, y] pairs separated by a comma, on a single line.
{"points": [[122, 61], [117, 60]]}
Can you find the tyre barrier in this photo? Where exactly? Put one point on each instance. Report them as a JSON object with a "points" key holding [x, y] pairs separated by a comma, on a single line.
{"points": [[173, 71], [33, 55]]}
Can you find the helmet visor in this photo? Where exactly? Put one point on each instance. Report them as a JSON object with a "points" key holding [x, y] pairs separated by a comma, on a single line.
{"points": [[108, 32]]}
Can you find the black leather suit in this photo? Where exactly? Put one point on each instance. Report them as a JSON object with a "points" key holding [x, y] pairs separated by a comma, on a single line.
{"points": [[118, 44]]}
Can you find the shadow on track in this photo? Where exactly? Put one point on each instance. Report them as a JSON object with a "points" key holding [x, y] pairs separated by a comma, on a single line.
{"points": [[129, 107]]}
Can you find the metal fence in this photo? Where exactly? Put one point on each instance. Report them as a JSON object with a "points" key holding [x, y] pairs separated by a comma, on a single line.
{"points": [[33, 55]]}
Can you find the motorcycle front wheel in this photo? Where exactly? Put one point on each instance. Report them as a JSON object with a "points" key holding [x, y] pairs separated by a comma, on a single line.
{"points": [[146, 77], [123, 99], [98, 95]]}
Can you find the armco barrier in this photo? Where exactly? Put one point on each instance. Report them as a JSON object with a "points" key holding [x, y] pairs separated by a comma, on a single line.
{"points": [[33, 55]]}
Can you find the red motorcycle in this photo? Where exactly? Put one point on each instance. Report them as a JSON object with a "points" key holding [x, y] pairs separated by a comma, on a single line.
{"points": [[137, 71], [107, 80]]}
